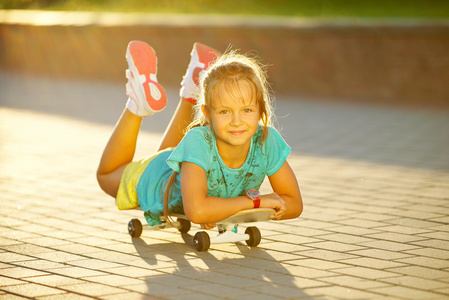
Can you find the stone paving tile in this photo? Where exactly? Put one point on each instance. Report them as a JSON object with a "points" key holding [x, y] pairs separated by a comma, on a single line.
{"points": [[130, 295], [277, 291], [132, 272], [247, 272], [346, 238], [114, 280], [389, 246], [341, 293], [417, 223], [306, 272], [234, 281], [58, 256], [93, 289], [396, 237], [178, 280], [76, 248], [76, 272], [94, 264], [335, 246], [354, 282], [440, 235], [374, 225], [55, 280], [191, 295], [157, 290], [367, 273], [399, 229], [317, 264], [297, 282], [358, 231], [426, 262], [356, 222], [415, 282], [326, 254], [39, 264], [284, 247], [46, 241], [444, 291], [434, 243], [279, 256], [13, 257], [430, 252], [407, 293], [28, 249], [256, 296], [372, 263], [93, 241], [31, 290], [20, 272], [6, 281], [14, 237], [422, 272], [222, 290]]}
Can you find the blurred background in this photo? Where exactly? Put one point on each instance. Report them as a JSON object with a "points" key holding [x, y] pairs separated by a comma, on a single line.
{"points": [[385, 52], [298, 8]]}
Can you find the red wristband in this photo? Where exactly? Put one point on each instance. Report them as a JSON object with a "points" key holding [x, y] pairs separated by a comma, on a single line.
{"points": [[256, 203], [255, 196]]}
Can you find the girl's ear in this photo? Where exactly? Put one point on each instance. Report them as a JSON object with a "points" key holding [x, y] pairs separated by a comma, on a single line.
{"points": [[205, 113]]}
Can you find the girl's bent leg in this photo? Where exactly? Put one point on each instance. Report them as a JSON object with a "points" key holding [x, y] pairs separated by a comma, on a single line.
{"points": [[177, 127], [119, 152], [201, 57]]}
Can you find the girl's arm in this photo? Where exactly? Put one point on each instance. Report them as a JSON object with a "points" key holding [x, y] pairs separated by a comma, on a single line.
{"points": [[285, 185], [200, 208], [203, 209]]}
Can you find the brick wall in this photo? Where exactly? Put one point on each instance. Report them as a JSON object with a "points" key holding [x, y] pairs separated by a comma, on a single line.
{"points": [[391, 62]]}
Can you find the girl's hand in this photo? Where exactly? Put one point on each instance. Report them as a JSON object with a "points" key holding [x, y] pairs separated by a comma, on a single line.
{"points": [[274, 201], [208, 226]]}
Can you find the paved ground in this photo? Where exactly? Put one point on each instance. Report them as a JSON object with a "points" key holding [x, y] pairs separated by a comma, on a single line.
{"points": [[375, 183]]}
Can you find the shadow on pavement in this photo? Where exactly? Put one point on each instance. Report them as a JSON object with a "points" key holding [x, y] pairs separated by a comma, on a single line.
{"points": [[223, 273]]}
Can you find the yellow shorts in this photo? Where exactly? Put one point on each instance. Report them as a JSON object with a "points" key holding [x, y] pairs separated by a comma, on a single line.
{"points": [[127, 191]]}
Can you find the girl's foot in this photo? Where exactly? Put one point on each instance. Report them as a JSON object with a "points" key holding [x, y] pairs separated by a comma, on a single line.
{"points": [[146, 95], [202, 57]]}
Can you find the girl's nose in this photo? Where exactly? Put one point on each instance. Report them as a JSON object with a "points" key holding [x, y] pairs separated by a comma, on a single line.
{"points": [[236, 120]]}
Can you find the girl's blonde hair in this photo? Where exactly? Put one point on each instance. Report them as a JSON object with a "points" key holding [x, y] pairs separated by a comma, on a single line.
{"points": [[229, 69]]}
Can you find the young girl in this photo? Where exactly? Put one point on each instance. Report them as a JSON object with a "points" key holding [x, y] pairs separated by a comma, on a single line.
{"points": [[211, 163]]}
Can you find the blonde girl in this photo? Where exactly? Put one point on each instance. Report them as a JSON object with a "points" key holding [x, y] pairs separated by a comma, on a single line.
{"points": [[211, 163]]}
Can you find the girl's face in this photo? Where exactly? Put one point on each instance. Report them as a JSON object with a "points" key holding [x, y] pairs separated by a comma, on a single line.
{"points": [[234, 119]]}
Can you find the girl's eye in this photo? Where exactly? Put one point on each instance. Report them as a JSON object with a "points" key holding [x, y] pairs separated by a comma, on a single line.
{"points": [[247, 110], [223, 112]]}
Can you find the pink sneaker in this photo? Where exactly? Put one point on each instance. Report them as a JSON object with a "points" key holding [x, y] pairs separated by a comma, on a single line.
{"points": [[146, 95], [202, 57]]}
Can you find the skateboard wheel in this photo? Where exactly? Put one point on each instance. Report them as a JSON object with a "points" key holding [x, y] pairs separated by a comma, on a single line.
{"points": [[185, 225], [135, 228], [254, 236], [201, 240]]}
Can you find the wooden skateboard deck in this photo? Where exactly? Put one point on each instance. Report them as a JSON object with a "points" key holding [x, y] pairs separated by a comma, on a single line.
{"points": [[243, 216]]}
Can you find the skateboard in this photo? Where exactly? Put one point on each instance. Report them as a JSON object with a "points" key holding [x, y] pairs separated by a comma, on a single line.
{"points": [[227, 228]]}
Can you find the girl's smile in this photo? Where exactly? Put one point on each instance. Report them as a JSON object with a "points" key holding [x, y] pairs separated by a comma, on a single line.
{"points": [[237, 132]]}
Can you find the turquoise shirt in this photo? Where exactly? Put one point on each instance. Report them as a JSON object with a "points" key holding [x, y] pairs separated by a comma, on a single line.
{"points": [[199, 147]]}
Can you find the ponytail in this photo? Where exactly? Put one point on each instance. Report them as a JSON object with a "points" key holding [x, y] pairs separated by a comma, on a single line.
{"points": [[168, 192]]}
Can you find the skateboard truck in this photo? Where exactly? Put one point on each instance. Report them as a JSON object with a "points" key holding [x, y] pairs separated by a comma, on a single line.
{"points": [[227, 229]]}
